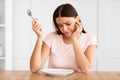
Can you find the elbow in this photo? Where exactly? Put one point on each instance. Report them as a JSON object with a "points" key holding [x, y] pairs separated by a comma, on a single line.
{"points": [[85, 69], [34, 69]]}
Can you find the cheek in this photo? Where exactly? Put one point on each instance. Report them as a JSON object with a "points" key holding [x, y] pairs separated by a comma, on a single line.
{"points": [[60, 29], [73, 27]]}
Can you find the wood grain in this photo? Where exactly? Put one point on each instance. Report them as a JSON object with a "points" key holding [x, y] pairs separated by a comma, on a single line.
{"points": [[27, 75]]}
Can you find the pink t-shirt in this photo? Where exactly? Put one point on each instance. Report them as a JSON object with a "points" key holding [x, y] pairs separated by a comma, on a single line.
{"points": [[62, 55]]}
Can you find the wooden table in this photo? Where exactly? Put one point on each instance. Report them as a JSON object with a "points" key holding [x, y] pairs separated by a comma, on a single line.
{"points": [[27, 75]]}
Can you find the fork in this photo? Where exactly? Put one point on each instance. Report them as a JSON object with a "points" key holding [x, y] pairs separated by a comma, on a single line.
{"points": [[29, 13]]}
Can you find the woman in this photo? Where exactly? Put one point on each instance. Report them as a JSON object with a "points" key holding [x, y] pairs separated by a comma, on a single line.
{"points": [[69, 47]]}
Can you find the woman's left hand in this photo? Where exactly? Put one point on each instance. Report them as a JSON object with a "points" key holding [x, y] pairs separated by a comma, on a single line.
{"points": [[78, 30]]}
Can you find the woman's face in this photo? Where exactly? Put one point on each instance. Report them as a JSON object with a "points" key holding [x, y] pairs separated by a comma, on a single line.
{"points": [[66, 25]]}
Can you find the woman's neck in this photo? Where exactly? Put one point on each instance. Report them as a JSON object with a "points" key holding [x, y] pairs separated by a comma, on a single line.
{"points": [[67, 40]]}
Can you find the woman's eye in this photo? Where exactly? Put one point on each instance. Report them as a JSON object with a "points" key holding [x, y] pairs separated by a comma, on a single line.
{"points": [[68, 24], [59, 25]]}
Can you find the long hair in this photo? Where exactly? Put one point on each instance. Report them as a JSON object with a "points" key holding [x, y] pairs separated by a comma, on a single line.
{"points": [[64, 10]]}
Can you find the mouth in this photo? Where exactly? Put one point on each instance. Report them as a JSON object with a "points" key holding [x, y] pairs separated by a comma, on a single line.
{"points": [[67, 34]]}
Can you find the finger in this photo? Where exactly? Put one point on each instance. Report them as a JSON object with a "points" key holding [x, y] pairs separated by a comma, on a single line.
{"points": [[80, 25], [34, 21], [77, 25], [38, 27], [35, 24]]}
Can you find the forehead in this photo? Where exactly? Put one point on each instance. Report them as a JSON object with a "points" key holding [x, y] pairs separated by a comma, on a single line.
{"points": [[61, 20]]}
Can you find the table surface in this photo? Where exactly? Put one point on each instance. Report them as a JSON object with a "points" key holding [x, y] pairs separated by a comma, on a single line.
{"points": [[91, 75]]}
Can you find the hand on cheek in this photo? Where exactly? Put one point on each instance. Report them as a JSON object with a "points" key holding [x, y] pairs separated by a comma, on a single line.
{"points": [[79, 26], [78, 30]]}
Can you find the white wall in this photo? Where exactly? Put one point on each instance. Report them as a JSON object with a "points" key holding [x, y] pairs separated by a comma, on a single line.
{"points": [[109, 50], [21, 34], [100, 17]]}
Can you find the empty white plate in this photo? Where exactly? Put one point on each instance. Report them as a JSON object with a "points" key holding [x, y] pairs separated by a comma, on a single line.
{"points": [[57, 72]]}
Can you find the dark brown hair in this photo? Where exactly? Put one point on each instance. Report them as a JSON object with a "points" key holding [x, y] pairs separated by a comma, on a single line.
{"points": [[64, 10]]}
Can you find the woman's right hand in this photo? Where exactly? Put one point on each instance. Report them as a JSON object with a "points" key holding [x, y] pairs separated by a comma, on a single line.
{"points": [[37, 28]]}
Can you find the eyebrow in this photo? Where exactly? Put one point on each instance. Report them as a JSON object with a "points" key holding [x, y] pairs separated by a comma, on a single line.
{"points": [[64, 23]]}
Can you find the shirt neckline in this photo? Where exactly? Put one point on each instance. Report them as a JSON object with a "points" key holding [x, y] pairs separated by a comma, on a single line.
{"points": [[61, 38]]}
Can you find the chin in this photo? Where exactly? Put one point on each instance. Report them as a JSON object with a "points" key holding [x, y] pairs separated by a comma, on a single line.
{"points": [[67, 36]]}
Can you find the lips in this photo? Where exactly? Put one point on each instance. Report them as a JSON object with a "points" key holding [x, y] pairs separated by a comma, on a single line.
{"points": [[66, 33]]}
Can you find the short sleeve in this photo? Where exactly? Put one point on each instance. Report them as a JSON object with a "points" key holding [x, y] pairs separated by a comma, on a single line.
{"points": [[92, 40], [49, 39]]}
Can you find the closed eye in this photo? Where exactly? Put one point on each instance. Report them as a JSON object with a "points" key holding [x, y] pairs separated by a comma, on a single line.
{"points": [[59, 26], [68, 24]]}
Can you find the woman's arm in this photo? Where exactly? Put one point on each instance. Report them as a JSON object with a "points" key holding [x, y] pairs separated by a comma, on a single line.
{"points": [[41, 50], [39, 56], [35, 61], [84, 60]]}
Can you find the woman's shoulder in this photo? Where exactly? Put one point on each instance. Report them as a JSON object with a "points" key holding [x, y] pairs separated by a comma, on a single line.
{"points": [[52, 34], [50, 38], [88, 35]]}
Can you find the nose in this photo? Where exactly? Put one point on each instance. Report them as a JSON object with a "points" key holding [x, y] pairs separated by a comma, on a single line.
{"points": [[65, 28]]}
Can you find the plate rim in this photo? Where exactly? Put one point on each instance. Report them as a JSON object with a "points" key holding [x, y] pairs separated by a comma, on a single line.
{"points": [[47, 71]]}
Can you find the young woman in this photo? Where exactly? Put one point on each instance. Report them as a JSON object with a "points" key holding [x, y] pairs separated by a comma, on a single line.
{"points": [[69, 47]]}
